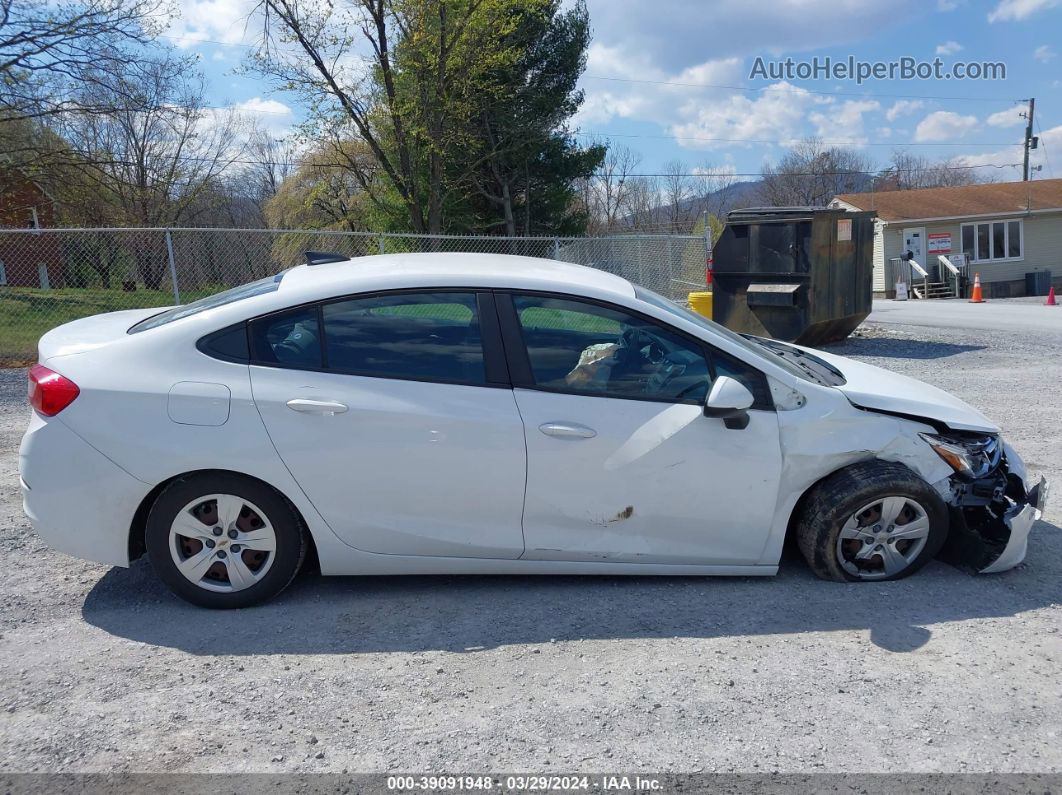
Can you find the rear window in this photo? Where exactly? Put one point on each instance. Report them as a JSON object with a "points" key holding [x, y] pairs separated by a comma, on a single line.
{"points": [[267, 285]]}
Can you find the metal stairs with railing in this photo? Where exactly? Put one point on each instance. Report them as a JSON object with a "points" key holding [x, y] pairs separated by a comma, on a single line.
{"points": [[934, 290]]}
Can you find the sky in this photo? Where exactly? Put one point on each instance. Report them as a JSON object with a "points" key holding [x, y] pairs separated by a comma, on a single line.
{"points": [[671, 79]]}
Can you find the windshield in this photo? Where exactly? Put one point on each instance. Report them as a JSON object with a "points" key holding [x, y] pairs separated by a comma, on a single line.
{"points": [[267, 285], [761, 348]]}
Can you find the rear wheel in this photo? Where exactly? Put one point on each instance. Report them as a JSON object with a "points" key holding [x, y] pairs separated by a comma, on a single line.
{"points": [[872, 521], [224, 540]]}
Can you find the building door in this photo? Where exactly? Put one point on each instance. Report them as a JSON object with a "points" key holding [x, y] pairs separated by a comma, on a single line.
{"points": [[914, 241]]}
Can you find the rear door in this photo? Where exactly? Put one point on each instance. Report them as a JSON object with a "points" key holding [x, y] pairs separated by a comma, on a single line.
{"points": [[622, 464], [394, 414]]}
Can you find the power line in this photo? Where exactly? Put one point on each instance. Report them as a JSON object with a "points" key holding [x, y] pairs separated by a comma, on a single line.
{"points": [[1043, 145], [789, 141], [225, 161]]}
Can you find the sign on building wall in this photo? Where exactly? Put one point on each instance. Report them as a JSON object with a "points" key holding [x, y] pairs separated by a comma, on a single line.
{"points": [[940, 243], [844, 229]]}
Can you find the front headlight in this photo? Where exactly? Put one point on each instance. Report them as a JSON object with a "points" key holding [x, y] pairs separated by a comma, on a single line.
{"points": [[971, 457]]}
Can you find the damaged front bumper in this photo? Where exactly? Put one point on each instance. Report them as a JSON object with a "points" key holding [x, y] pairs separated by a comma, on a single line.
{"points": [[991, 517]]}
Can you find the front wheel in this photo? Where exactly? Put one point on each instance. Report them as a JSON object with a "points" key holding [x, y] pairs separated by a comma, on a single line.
{"points": [[223, 540], [872, 521]]}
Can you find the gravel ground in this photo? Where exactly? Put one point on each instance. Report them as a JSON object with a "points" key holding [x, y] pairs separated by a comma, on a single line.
{"points": [[104, 670]]}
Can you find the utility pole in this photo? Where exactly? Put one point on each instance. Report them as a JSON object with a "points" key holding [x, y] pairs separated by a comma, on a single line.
{"points": [[1030, 140]]}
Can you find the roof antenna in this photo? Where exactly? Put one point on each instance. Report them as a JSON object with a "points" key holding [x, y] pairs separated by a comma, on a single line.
{"points": [[323, 257]]}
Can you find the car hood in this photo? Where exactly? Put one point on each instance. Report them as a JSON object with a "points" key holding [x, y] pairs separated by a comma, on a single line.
{"points": [[872, 387]]}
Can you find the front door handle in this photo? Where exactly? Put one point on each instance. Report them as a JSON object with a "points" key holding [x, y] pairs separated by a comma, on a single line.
{"points": [[567, 430], [308, 406]]}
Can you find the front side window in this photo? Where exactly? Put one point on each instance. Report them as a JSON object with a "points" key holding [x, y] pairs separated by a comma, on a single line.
{"points": [[432, 336], [992, 240], [585, 348]]}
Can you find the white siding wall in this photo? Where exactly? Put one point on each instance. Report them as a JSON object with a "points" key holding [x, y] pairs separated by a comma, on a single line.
{"points": [[1043, 247], [879, 257]]}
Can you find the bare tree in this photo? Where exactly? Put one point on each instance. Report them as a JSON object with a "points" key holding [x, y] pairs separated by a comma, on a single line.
{"points": [[679, 210], [248, 192], [641, 204], [810, 174], [909, 171], [49, 52], [712, 187], [605, 194], [158, 160]]}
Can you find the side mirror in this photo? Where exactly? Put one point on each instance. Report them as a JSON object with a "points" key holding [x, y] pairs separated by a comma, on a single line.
{"points": [[729, 400]]}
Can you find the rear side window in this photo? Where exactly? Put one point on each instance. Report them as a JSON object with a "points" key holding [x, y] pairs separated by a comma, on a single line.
{"points": [[229, 344], [432, 336]]}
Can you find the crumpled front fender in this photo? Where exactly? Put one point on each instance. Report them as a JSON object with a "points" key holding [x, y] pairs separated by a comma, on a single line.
{"points": [[995, 537], [1020, 520]]}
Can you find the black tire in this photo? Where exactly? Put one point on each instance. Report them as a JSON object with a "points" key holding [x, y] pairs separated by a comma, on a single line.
{"points": [[290, 534], [836, 499]]}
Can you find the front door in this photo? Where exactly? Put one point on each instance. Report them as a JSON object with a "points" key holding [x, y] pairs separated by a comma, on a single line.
{"points": [[914, 242], [622, 464], [399, 430]]}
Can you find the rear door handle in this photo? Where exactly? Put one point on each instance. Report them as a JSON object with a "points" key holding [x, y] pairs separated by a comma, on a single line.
{"points": [[567, 430], [308, 406]]}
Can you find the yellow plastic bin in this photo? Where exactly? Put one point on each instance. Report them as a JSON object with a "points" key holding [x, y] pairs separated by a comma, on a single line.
{"points": [[701, 303]]}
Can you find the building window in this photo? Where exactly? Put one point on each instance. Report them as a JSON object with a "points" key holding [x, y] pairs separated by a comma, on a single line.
{"points": [[991, 241]]}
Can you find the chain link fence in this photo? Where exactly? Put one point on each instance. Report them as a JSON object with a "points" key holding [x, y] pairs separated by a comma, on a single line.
{"points": [[52, 276]]}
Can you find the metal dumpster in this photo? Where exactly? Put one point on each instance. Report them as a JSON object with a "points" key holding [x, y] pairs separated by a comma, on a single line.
{"points": [[798, 274]]}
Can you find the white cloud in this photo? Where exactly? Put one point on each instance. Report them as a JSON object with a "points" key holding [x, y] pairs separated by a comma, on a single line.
{"points": [[948, 48], [843, 122], [944, 125], [949, 5], [224, 21], [902, 107], [266, 114], [775, 114], [1006, 118], [608, 99], [1010, 158], [259, 105], [1044, 53], [1017, 10]]}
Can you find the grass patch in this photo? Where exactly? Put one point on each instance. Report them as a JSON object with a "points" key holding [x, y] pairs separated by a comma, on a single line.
{"points": [[26, 313]]}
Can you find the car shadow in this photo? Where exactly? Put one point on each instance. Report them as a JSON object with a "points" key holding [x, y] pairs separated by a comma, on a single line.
{"points": [[353, 615], [896, 348]]}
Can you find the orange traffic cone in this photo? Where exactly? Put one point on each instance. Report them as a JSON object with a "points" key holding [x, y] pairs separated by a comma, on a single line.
{"points": [[976, 298], [1051, 298]]}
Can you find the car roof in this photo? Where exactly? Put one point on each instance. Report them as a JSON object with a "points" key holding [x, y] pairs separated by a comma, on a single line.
{"points": [[396, 271]]}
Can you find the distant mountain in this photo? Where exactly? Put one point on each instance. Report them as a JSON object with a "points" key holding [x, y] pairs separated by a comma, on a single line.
{"points": [[720, 202]]}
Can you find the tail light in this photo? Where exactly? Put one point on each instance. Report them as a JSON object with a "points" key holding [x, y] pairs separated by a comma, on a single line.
{"points": [[708, 270], [49, 392]]}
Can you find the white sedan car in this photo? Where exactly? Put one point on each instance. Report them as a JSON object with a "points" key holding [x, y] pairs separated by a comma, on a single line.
{"points": [[467, 413]]}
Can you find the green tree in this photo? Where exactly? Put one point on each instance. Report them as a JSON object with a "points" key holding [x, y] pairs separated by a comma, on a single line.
{"points": [[529, 165], [439, 101]]}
